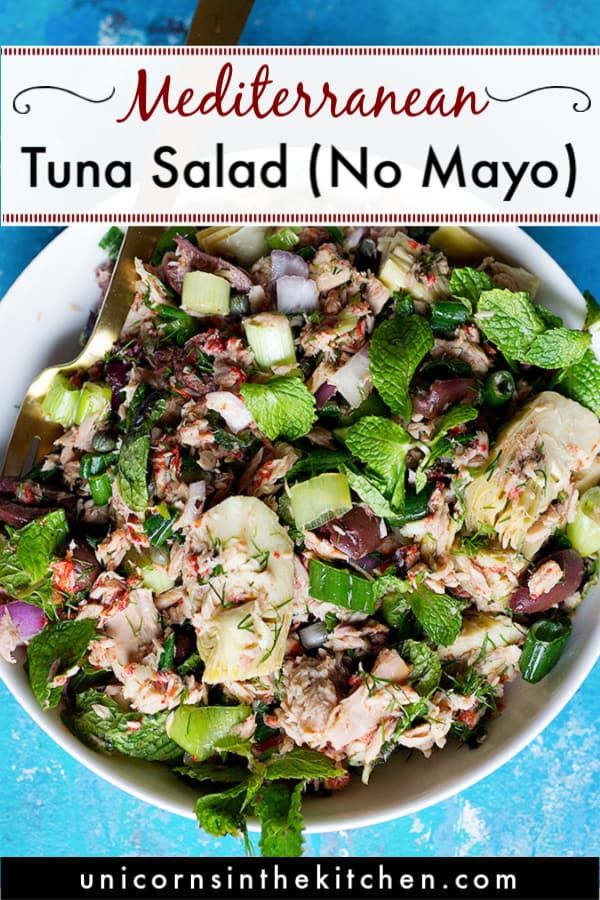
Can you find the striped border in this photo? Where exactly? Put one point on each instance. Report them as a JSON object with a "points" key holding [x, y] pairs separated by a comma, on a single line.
{"points": [[302, 218], [300, 51], [292, 218]]}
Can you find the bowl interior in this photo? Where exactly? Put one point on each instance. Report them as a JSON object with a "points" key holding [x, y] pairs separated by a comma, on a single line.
{"points": [[40, 319]]}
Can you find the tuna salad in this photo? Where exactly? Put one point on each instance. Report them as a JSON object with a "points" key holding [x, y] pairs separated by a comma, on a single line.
{"points": [[329, 493]]}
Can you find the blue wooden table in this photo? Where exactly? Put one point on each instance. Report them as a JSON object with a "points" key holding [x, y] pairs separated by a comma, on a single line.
{"points": [[543, 803]]}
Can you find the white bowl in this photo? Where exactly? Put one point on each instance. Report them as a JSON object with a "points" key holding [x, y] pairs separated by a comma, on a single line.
{"points": [[40, 318]]}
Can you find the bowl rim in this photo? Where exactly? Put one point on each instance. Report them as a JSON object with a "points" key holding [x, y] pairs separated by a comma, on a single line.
{"points": [[473, 773]]}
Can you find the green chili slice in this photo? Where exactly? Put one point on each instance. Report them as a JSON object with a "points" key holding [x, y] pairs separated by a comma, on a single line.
{"points": [[499, 388]]}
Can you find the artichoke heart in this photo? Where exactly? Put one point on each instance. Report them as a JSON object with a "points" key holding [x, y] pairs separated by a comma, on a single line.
{"points": [[407, 265], [481, 634], [524, 492], [239, 571]]}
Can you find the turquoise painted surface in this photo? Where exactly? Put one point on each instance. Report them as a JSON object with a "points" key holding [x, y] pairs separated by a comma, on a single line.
{"points": [[546, 801]]}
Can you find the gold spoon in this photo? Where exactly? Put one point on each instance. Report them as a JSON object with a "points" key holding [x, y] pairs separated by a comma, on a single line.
{"points": [[214, 22]]}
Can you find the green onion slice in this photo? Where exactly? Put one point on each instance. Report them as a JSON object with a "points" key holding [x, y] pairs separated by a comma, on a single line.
{"points": [[61, 402], [270, 338], [204, 294], [320, 499], [447, 315], [543, 648], [584, 531], [101, 489], [341, 587], [284, 239], [96, 463], [174, 324], [94, 402]]}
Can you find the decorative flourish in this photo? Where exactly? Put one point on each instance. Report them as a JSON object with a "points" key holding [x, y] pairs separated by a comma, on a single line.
{"points": [[578, 105], [25, 108]]}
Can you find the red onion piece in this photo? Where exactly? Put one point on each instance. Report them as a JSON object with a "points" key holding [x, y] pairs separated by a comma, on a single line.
{"points": [[370, 562], [357, 533], [295, 294], [324, 393], [29, 619], [284, 263], [443, 394], [16, 515], [572, 567]]}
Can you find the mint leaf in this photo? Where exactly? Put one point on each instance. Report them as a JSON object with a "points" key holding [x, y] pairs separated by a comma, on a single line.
{"points": [[390, 583], [370, 494], [105, 726], [549, 319], [395, 609], [166, 241], [281, 407], [13, 578], [223, 813], [111, 241], [237, 746], [438, 614], [509, 320], [558, 348], [382, 445], [133, 472], [145, 409], [426, 666], [37, 542], [167, 656], [397, 347], [317, 462], [191, 666], [468, 284], [159, 527], [582, 382], [221, 773], [593, 311], [280, 814], [25, 557], [54, 650], [409, 715], [301, 764], [458, 415]]}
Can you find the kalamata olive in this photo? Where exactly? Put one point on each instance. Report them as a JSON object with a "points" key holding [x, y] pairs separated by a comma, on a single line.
{"points": [[87, 567], [572, 568], [367, 256], [117, 375], [356, 533], [184, 645], [442, 394]]}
